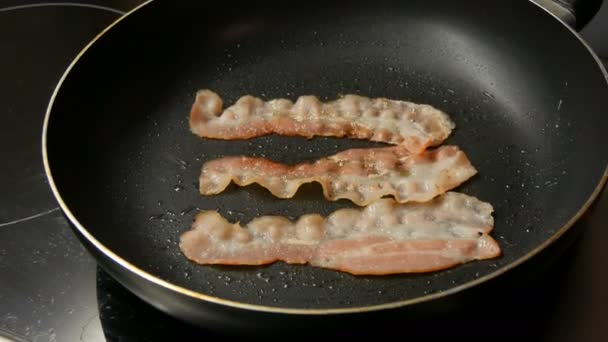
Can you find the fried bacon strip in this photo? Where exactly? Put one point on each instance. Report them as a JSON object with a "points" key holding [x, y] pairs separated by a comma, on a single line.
{"points": [[383, 238], [415, 126], [360, 175]]}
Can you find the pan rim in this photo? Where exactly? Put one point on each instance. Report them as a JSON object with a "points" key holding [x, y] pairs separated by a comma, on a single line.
{"points": [[296, 311]]}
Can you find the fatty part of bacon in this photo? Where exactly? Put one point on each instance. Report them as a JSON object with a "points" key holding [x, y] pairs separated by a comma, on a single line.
{"points": [[383, 238], [360, 175], [415, 126]]}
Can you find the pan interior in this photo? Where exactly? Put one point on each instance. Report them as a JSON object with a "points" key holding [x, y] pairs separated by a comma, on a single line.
{"points": [[529, 116]]}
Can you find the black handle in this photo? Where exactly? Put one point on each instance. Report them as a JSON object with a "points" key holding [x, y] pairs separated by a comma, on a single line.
{"points": [[576, 13]]}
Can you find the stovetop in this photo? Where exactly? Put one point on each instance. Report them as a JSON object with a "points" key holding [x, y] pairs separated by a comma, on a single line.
{"points": [[52, 290]]}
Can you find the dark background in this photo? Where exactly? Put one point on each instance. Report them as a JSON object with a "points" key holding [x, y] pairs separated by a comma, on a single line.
{"points": [[52, 290]]}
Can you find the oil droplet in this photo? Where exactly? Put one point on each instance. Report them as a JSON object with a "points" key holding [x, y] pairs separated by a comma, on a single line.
{"points": [[156, 217], [187, 210], [182, 163], [262, 276]]}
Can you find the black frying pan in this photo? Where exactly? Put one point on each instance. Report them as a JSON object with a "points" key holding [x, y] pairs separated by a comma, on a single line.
{"points": [[528, 98]]}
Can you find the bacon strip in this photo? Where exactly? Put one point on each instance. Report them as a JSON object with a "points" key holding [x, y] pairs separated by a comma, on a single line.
{"points": [[383, 238], [360, 175], [415, 126]]}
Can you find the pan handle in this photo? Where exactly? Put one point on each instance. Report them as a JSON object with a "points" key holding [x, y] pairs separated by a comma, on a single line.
{"points": [[576, 13]]}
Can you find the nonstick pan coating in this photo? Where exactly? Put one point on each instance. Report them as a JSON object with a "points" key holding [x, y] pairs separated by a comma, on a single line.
{"points": [[527, 96]]}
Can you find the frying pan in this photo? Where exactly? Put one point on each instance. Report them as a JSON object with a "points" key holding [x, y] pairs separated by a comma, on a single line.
{"points": [[527, 95]]}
